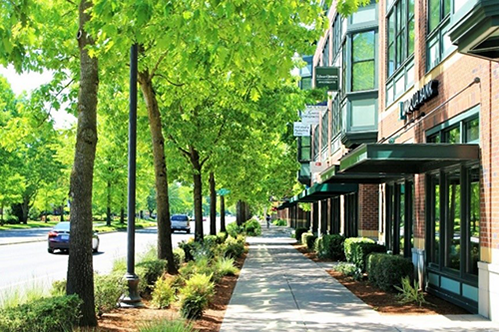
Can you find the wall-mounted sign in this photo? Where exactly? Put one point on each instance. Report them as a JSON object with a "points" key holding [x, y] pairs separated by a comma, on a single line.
{"points": [[420, 97], [327, 77], [301, 129], [310, 116], [317, 166]]}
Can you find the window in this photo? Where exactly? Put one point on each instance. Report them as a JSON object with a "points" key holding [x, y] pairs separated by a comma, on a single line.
{"points": [[316, 143], [454, 204], [337, 36], [400, 51], [325, 53], [363, 63], [304, 148], [400, 34], [325, 127], [336, 117], [438, 43], [399, 212]]}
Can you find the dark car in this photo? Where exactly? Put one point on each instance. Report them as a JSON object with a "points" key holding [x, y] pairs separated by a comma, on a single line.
{"points": [[58, 238], [180, 222]]}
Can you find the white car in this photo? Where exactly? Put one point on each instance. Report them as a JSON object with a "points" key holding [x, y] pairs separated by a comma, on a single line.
{"points": [[180, 222]]}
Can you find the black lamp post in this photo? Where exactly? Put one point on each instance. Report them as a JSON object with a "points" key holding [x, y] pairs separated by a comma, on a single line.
{"points": [[132, 299]]}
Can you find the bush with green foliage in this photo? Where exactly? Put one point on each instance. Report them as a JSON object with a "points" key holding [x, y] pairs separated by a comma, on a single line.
{"points": [[298, 233], [330, 246], [348, 246], [233, 247], [178, 257], [107, 288], [58, 288], [224, 266], [166, 325], [52, 314], [280, 222], [252, 227], [309, 239], [196, 295], [189, 248], [149, 271], [386, 271], [163, 293], [409, 293], [348, 269], [360, 251], [221, 237], [233, 229]]}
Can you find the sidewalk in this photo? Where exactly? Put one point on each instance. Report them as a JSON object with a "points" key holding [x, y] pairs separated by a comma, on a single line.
{"points": [[279, 289]]}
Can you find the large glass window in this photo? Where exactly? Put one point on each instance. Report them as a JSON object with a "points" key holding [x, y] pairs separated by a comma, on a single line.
{"points": [[400, 22], [453, 221], [325, 53], [474, 225], [399, 211], [434, 219], [437, 41], [363, 61], [304, 148], [325, 127], [316, 143]]}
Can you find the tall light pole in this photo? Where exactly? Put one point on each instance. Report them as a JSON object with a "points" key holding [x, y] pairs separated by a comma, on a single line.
{"points": [[132, 299]]}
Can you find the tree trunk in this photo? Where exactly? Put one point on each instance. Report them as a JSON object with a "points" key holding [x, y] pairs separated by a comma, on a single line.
{"points": [[108, 209], [122, 215], [197, 192], [165, 250], [240, 212], [1, 216], [80, 278], [222, 214], [62, 212], [213, 205]]}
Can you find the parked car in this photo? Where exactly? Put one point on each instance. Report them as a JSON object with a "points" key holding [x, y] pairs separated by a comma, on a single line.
{"points": [[58, 238], [180, 222]]}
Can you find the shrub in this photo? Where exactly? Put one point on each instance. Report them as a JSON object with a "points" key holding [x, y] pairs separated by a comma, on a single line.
{"points": [[309, 239], [221, 237], [347, 269], [348, 246], [58, 288], [51, 314], [149, 271], [163, 293], [166, 325], [195, 296], [330, 246], [224, 266], [189, 248], [178, 257], [252, 227], [280, 222], [298, 233], [410, 294], [360, 251], [233, 229], [386, 271], [233, 248], [108, 289]]}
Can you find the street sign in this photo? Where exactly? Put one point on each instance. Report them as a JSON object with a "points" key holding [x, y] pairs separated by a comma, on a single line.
{"points": [[223, 192], [327, 77], [301, 129]]}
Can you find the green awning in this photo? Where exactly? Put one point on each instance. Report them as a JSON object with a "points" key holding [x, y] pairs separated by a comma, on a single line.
{"points": [[333, 175], [286, 204], [391, 159], [320, 191]]}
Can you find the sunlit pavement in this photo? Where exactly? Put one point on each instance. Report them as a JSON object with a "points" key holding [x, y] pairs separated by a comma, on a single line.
{"points": [[279, 289]]}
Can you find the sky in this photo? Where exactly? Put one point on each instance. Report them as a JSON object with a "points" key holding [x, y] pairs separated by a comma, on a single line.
{"points": [[30, 81]]}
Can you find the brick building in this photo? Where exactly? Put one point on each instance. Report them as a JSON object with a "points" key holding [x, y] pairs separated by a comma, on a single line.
{"points": [[410, 140]]}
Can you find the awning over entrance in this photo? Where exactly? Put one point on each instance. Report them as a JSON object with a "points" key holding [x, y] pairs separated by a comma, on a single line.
{"points": [[320, 191], [390, 159], [286, 204], [333, 175]]}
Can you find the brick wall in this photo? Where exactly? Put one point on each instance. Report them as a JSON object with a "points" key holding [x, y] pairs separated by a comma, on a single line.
{"points": [[368, 207]]}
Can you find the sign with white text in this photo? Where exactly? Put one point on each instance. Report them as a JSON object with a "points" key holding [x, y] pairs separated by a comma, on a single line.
{"points": [[301, 129]]}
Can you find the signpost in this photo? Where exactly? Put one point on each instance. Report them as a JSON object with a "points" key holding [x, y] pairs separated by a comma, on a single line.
{"points": [[327, 77], [301, 129]]}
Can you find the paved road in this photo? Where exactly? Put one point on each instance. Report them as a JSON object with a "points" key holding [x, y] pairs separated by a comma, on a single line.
{"points": [[26, 264]]}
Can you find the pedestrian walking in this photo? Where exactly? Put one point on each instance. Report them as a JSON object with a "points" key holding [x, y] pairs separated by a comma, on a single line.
{"points": [[268, 220]]}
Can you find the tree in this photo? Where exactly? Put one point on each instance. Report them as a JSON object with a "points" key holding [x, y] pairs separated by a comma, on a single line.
{"points": [[80, 265], [348, 7]]}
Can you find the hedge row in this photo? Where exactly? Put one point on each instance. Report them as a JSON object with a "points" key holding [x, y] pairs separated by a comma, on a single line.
{"points": [[385, 270]]}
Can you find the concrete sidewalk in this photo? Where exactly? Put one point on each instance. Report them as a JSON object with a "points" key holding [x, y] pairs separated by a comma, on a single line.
{"points": [[279, 289]]}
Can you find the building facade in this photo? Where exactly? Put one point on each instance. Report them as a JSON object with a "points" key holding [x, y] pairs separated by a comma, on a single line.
{"points": [[409, 140]]}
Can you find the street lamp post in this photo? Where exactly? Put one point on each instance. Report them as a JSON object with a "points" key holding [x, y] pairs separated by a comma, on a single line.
{"points": [[132, 299]]}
